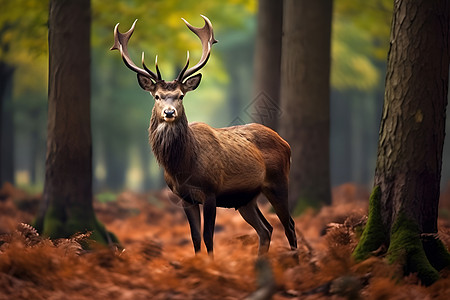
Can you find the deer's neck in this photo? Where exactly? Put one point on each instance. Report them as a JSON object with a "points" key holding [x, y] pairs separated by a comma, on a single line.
{"points": [[172, 144]]}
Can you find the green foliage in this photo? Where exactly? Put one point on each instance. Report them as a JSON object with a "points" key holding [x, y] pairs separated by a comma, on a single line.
{"points": [[374, 234], [23, 29], [373, 17], [24, 44], [360, 41], [353, 67]]}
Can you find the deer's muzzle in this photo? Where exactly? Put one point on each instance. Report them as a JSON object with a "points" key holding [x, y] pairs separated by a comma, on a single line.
{"points": [[169, 113]]}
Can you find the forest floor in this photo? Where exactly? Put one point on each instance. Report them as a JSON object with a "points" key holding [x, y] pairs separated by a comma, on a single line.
{"points": [[158, 262]]}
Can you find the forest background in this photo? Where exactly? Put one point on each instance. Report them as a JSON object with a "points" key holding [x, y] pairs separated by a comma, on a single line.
{"points": [[121, 110]]}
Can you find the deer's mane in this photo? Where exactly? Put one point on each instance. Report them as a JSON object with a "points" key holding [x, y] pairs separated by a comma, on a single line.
{"points": [[172, 143]]}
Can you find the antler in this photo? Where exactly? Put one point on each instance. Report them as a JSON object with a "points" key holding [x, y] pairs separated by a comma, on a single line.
{"points": [[206, 36], [121, 44]]}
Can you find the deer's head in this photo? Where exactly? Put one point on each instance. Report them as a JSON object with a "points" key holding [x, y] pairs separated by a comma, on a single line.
{"points": [[168, 95]]}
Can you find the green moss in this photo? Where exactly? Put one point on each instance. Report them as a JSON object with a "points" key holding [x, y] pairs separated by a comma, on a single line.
{"points": [[406, 247], [108, 236], [374, 234], [58, 224], [52, 225]]}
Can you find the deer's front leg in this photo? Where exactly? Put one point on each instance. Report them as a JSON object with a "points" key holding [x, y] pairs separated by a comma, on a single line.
{"points": [[192, 212], [209, 220]]}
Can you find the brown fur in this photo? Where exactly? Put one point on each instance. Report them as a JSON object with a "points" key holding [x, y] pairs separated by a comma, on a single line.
{"points": [[219, 161]]}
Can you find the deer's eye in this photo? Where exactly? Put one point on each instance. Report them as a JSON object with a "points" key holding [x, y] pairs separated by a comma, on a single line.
{"points": [[181, 97], [157, 97]]}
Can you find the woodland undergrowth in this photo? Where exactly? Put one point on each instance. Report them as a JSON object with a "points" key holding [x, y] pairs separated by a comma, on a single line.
{"points": [[156, 261]]}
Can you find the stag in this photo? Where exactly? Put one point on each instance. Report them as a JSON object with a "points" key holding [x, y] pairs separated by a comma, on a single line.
{"points": [[226, 167]]}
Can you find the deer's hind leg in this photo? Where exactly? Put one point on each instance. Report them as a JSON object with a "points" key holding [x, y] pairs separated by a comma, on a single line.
{"points": [[253, 216], [278, 198]]}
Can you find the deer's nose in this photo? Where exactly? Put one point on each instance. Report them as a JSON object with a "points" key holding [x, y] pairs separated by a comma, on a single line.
{"points": [[169, 112]]}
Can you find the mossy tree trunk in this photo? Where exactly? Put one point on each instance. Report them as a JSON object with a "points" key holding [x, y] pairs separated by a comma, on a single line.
{"points": [[404, 206], [67, 200], [305, 100]]}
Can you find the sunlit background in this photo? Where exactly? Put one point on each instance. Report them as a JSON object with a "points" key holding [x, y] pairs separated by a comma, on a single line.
{"points": [[121, 110]]}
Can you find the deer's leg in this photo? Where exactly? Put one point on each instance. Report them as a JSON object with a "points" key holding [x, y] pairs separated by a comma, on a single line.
{"points": [[192, 212], [253, 216], [278, 197], [268, 225], [209, 220]]}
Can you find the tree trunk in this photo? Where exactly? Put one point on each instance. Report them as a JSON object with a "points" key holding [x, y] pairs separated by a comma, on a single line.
{"points": [[67, 207], [6, 124], [34, 154], [408, 169], [267, 63], [305, 99]]}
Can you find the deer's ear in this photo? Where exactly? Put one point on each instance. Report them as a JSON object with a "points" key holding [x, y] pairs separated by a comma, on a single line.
{"points": [[192, 83], [146, 83]]}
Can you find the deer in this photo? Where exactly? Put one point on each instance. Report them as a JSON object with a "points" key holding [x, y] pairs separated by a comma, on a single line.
{"points": [[213, 167]]}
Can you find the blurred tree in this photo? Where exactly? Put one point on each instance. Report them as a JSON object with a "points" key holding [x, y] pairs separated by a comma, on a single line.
{"points": [[22, 34], [30, 119], [113, 127], [305, 99], [267, 62], [404, 204], [6, 124], [67, 199], [237, 53]]}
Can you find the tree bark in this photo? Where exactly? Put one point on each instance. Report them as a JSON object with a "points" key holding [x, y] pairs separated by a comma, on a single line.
{"points": [[267, 63], [67, 207], [305, 99], [412, 131]]}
